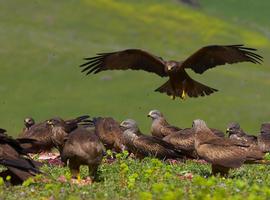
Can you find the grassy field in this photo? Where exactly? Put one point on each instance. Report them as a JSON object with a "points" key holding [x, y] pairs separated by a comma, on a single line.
{"points": [[43, 43]]}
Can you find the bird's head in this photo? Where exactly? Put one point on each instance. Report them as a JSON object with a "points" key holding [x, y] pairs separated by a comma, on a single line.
{"points": [[265, 128], [155, 114], [171, 65], [29, 121], [233, 127], [129, 124], [56, 122], [130, 128], [198, 125]]}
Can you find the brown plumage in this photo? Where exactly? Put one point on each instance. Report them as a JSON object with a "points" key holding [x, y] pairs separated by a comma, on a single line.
{"points": [[83, 148], [160, 127], [184, 140], [179, 83], [142, 145], [79, 147], [222, 153], [109, 132], [264, 137], [41, 132], [13, 156], [236, 133]]}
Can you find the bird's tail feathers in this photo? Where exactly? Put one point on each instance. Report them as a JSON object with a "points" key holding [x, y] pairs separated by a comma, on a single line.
{"points": [[188, 87]]}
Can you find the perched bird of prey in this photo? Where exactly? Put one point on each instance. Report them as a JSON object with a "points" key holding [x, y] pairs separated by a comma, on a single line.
{"points": [[28, 122], [180, 83], [79, 147], [142, 145], [222, 153], [19, 166], [41, 132], [83, 148], [109, 132], [236, 133], [264, 137], [184, 140], [160, 127]]}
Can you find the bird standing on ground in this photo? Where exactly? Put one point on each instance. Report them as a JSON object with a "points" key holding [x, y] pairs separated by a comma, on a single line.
{"points": [[160, 127], [109, 132], [42, 132], [143, 145], [180, 83], [264, 137], [236, 133], [79, 147], [223, 153]]}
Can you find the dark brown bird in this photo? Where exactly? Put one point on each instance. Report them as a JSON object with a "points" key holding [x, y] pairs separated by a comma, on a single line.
{"points": [[41, 132], [142, 145], [160, 127], [222, 153], [264, 137], [13, 156], [83, 148], [179, 83], [236, 133], [79, 147], [109, 132]]}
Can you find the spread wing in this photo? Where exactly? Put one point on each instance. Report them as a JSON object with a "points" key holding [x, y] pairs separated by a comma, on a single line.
{"points": [[134, 59], [214, 55]]}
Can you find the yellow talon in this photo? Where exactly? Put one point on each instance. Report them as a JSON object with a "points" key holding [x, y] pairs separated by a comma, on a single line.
{"points": [[183, 96], [172, 97], [79, 177]]}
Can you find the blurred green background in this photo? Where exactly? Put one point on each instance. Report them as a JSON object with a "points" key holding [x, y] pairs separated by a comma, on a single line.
{"points": [[43, 43]]}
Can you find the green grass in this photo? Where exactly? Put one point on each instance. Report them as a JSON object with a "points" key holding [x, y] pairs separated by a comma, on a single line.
{"points": [[43, 42], [147, 179]]}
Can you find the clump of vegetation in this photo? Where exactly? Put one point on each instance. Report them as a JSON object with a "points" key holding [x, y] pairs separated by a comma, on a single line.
{"points": [[126, 178]]}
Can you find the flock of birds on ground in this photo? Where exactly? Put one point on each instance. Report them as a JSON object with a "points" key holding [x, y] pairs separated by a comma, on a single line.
{"points": [[84, 141]]}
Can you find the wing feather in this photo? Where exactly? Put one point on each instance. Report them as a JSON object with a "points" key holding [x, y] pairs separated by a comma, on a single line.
{"points": [[214, 55], [134, 59]]}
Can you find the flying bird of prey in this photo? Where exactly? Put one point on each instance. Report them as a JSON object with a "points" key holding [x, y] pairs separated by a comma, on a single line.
{"points": [[180, 83], [160, 127], [142, 145], [41, 132], [13, 156], [222, 153], [109, 132], [236, 133], [264, 137]]}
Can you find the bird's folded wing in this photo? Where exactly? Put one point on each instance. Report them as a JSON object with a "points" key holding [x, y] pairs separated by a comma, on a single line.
{"points": [[228, 156]]}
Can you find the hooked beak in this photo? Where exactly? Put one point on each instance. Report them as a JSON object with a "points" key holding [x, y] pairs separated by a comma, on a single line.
{"points": [[170, 67], [49, 122], [228, 130]]}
